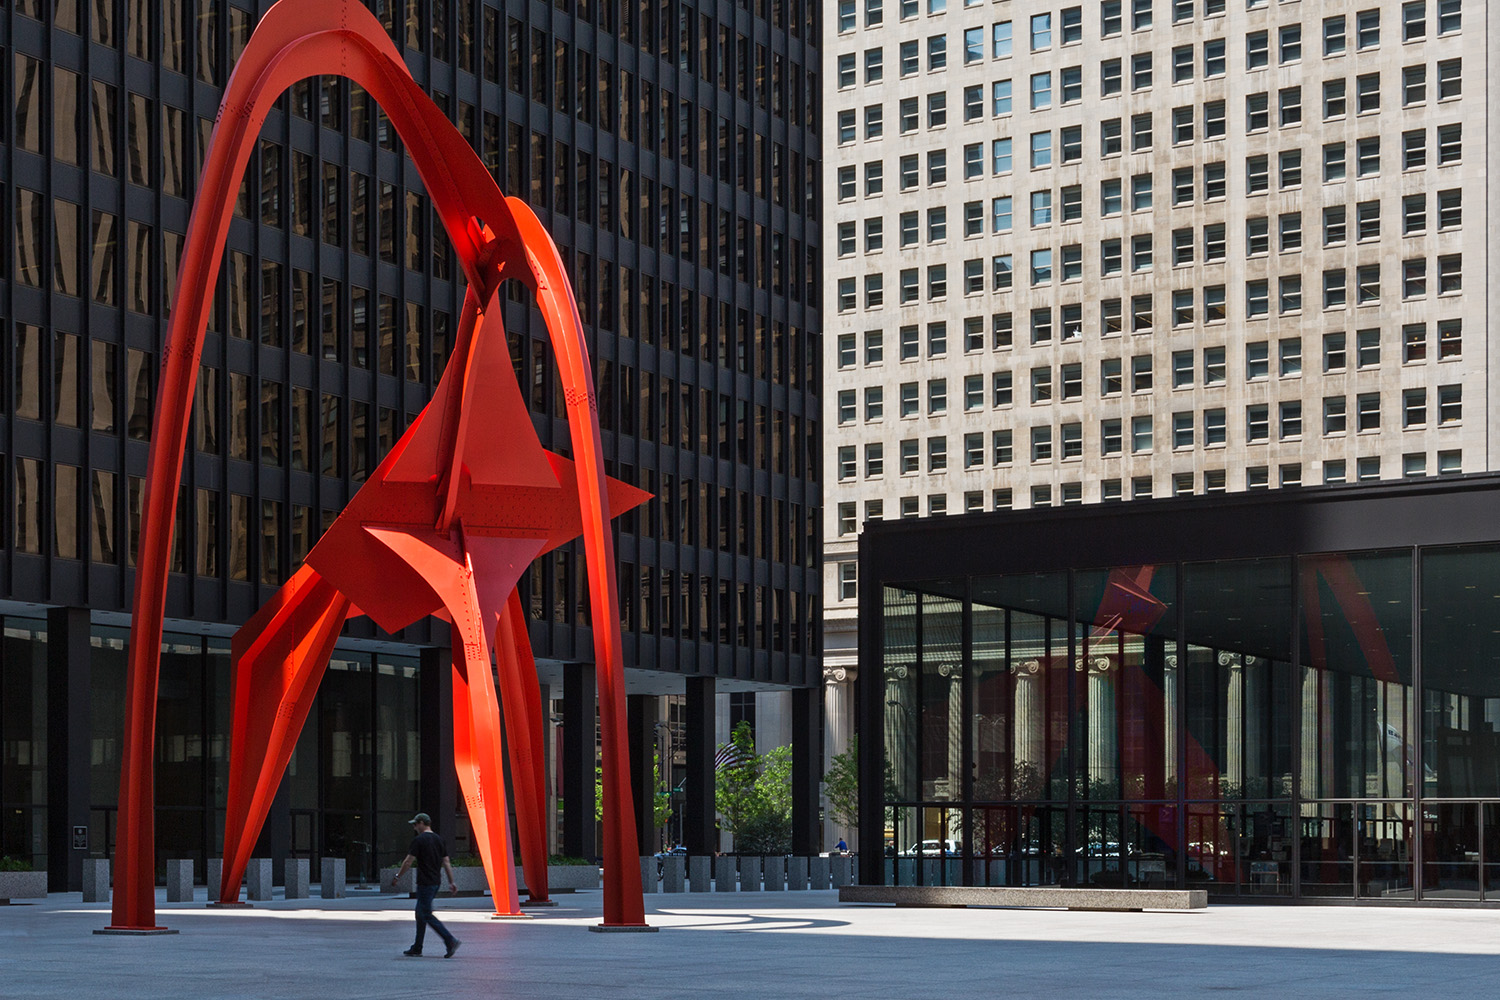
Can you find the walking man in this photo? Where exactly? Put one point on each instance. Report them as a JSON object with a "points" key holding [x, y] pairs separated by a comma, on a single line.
{"points": [[430, 855]]}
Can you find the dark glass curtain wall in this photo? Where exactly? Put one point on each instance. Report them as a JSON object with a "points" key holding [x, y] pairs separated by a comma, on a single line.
{"points": [[1256, 727]]}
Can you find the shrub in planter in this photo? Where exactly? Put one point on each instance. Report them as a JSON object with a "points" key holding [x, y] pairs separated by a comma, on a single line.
{"points": [[19, 881]]}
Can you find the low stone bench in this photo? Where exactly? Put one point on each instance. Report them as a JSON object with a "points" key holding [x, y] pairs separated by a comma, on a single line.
{"points": [[1039, 897], [22, 885]]}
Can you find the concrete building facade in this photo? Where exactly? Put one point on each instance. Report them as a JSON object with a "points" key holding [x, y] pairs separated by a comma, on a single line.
{"points": [[1136, 248]]}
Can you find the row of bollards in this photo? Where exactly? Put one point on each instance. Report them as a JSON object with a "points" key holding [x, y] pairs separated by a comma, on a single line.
{"points": [[296, 878], [746, 873]]}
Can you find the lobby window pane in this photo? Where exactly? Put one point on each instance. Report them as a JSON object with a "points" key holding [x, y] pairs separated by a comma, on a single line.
{"points": [[940, 655], [1328, 850], [1238, 681], [1357, 706], [1128, 626], [107, 662], [398, 758], [902, 863], [1461, 671], [23, 741], [901, 694], [1450, 838], [1492, 849], [179, 730], [1020, 688], [347, 748]]}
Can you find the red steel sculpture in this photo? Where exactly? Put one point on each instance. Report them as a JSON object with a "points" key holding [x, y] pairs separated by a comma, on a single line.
{"points": [[447, 524]]}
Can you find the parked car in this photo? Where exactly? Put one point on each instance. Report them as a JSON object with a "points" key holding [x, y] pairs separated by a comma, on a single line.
{"points": [[933, 847]]}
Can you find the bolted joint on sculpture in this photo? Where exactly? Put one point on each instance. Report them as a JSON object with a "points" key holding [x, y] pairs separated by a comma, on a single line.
{"points": [[446, 525]]}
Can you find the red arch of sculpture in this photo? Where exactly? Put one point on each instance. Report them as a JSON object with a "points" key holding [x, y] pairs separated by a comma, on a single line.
{"points": [[495, 238]]}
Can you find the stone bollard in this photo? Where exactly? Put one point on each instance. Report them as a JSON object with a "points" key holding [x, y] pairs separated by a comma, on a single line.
{"points": [[749, 874], [854, 869], [724, 877], [841, 870], [648, 875], [674, 868], [335, 877], [295, 876], [96, 880], [180, 880], [818, 867], [700, 874], [258, 879], [796, 873], [215, 876], [775, 870]]}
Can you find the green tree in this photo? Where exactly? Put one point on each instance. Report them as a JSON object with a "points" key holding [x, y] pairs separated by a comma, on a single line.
{"points": [[754, 794], [661, 800], [841, 785]]}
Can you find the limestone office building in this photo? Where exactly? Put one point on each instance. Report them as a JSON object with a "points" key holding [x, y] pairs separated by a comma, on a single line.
{"points": [[671, 148], [1120, 249]]}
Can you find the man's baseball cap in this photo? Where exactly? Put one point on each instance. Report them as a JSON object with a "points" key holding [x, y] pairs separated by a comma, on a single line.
{"points": [[420, 818]]}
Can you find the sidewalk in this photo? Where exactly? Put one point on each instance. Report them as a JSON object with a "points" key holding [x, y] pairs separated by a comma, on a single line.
{"points": [[746, 945]]}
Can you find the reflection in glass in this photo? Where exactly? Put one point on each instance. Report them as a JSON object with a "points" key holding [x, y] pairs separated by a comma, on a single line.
{"points": [[329, 436], [270, 542], [64, 115], [940, 656], [140, 382], [103, 380], [206, 561], [1328, 850], [206, 410], [30, 231], [1461, 671], [102, 518], [174, 151], [29, 504], [102, 21], [66, 479], [270, 303], [239, 537], [240, 295], [1357, 712], [28, 361], [900, 695], [27, 133], [303, 429], [138, 140], [301, 304], [65, 379], [102, 263], [67, 232], [103, 127], [270, 422], [239, 416], [138, 267], [208, 41], [1238, 679]]}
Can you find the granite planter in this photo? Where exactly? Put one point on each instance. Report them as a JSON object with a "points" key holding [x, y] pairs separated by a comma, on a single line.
{"points": [[22, 885], [571, 878]]}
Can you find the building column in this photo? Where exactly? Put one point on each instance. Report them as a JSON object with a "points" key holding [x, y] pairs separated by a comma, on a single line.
{"points": [[580, 753], [838, 730], [700, 833], [68, 656], [549, 758], [807, 774], [439, 787], [641, 712]]}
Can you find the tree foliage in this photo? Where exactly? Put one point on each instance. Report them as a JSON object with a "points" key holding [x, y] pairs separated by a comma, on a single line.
{"points": [[754, 794], [841, 785]]}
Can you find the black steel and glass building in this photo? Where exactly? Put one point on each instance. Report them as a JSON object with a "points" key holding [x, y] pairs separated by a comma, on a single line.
{"points": [[671, 149], [1275, 695]]}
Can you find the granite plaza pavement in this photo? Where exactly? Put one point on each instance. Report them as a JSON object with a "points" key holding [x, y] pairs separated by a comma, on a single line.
{"points": [[747, 945]]}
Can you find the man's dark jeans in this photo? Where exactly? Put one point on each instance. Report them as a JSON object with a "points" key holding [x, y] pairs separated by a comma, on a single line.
{"points": [[425, 895]]}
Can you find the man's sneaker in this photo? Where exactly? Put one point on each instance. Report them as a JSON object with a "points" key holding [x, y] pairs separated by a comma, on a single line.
{"points": [[414, 953], [453, 948]]}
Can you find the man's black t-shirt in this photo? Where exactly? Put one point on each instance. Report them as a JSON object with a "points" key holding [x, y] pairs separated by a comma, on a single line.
{"points": [[429, 850]]}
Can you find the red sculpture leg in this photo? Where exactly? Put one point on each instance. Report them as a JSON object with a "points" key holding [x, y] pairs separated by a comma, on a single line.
{"points": [[521, 701], [279, 658], [624, 905], [476, 715]]}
